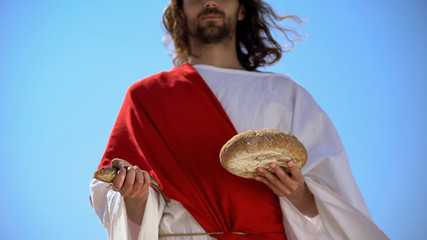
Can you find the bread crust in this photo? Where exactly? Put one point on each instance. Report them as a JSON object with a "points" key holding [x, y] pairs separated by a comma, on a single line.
{"points": [[247, 151]]}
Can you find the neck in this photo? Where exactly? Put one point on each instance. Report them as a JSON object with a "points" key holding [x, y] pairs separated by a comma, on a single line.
{"points": [[223, 54]]}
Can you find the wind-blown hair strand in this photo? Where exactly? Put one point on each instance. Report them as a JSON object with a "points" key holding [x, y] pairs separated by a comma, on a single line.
{"points": [[255, 44]]}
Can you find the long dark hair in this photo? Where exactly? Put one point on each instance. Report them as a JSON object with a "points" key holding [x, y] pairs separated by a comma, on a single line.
{"points": [[255, 44]]}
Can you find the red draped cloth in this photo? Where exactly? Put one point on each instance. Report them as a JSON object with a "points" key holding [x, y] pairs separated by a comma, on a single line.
{"points": [[172, 125]]}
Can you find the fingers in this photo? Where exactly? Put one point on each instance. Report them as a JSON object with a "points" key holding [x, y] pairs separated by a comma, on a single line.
{"points": [[268, 180], [128, 184], [130, 181], [280, 182], [281, 174], [295, 171], [147, 183], [141, 184], [279, 185], [138, 183], [119, 179], [119, 163]]}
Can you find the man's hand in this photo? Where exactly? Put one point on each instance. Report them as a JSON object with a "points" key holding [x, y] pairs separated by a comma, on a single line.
{"points": [[292, 187], [133, 184], [131, 181]]}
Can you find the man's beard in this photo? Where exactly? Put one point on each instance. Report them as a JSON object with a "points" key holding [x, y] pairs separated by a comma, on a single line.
{"points": [[212, 33]]}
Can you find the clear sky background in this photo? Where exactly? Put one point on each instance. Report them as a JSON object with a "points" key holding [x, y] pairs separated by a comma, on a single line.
{"points": [[65, 67]]}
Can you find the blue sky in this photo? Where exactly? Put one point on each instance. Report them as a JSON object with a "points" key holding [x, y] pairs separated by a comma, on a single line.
{"points": [[65, 67]]}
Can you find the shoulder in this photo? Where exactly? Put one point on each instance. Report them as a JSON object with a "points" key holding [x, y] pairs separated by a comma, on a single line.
{"points": [[144, 89], [284, 82], [154, 82], [150, 82], [163, 80]]}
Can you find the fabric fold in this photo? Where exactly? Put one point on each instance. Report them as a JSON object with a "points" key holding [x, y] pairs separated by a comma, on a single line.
{"points": [[111, 210], [340, 218]]}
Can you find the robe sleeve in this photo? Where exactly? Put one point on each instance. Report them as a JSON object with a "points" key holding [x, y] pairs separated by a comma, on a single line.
{"points": [[111, 210], [328, 176]]}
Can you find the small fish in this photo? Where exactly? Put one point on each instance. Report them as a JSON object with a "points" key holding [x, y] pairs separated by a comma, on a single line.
{"points": [[107, 174]]}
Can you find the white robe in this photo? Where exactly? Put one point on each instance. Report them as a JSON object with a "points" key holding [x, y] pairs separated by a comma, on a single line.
{"points": [[254, 100]]}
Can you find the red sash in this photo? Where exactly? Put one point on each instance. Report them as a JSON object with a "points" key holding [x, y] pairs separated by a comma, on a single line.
{"points": [[172, 125]]}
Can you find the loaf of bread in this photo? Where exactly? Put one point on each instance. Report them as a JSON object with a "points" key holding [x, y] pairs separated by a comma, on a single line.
{"points": [[247, 151]]}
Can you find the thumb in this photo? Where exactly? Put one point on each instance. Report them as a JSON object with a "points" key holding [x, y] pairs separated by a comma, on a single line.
{"points": [[120, 163], [295, 171]]}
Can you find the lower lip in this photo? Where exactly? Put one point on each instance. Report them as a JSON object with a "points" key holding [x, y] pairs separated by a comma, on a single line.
{"points": [[211, 17]]}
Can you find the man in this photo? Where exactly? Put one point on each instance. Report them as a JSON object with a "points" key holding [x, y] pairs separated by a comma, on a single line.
{"points": [[172, 125]]}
